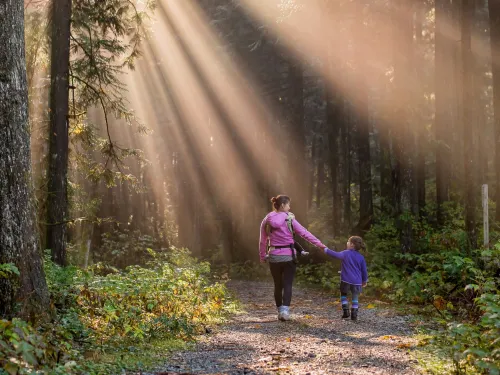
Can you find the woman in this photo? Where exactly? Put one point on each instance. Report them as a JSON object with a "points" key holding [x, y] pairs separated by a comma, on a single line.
{"points": [[277, 247]]}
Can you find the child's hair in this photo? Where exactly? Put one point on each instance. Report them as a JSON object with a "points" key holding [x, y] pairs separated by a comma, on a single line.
{"points": [[279, 200], [357, 242]]}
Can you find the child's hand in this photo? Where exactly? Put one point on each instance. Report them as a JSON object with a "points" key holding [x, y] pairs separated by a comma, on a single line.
{"points": [[305, 253], [364, 284]]}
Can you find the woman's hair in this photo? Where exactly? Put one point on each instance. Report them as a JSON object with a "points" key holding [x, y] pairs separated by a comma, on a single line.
{"points": [[279, 200], [357, 242]]}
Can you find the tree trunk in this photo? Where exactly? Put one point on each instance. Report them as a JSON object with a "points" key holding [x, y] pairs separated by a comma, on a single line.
{"points": [[57, 199], [443, 120], [421, 139], [18, 237], [494, 8], [346, 167], [468, 124], [296, 153], [403, 138], [320, 175], [363, 132], [314, 152], [332, 122]]}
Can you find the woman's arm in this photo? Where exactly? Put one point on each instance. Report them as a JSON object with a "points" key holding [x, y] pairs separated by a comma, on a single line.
{"points": [[263, 240], [303, 232]]}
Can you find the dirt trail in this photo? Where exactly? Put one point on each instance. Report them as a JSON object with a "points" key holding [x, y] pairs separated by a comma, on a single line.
{"points": [[316, 341]]}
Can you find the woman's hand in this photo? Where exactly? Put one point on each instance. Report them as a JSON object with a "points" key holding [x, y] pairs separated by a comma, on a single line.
{"points": [[364, 284]]}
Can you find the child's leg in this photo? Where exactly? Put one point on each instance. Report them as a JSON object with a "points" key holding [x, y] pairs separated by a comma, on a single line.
{"points": [[344, 290], [355, 291]]}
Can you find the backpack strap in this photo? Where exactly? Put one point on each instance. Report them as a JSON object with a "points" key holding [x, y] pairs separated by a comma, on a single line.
{"points": [[289, 223]]}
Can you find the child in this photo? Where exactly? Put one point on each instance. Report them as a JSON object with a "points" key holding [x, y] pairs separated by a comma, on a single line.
{"points": [[353, 274]]}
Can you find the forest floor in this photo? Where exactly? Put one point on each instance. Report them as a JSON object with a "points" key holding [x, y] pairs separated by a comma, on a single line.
{"points": [[315, 341]]}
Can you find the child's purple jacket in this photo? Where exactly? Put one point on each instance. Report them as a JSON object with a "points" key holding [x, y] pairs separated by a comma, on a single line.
{"points": [[353, 270], [281, 236]]}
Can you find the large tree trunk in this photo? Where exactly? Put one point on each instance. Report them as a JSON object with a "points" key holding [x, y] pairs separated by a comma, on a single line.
{"points": [[443, 120], [18, 237], [57, 199], [494, 8], [468, 121]]}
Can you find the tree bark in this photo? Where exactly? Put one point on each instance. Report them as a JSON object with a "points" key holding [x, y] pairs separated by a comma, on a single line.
{"points": [[333, 118], [421, 139], [403, 138], [494, 8], [18, 237], [57, 199], [468, 124], [296, 153], [443, 120]]}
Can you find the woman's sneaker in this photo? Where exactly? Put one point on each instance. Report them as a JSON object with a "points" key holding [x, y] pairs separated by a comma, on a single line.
{"points": [[285, 313]]}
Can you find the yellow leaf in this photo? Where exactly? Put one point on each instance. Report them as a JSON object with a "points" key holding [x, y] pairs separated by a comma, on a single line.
{"points": [[386, 337], [258, 326], [289, 339], [308, 316], [370, 306]]}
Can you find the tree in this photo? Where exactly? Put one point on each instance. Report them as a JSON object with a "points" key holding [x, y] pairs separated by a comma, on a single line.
{"points": [[443, 80], [18, 237], [57, 198], [467, 119], [494, 8], [403, 139]]}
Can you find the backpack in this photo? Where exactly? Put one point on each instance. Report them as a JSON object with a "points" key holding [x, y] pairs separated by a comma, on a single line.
{"points": [[297, 248]]}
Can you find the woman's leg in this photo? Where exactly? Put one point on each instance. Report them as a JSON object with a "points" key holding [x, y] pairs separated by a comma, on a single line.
{"points": [[288, 275], [277, 273]]}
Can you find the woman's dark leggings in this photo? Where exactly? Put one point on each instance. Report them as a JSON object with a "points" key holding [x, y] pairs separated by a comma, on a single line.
{"points": [[283, 274]]}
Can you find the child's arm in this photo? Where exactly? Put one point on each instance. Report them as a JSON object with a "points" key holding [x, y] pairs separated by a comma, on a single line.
{"points": [[335, 254], [364, 272]]}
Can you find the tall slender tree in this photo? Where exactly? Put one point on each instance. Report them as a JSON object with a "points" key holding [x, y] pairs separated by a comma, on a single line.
{"points": [[403, 139], [443, 79], [57, 198], [494, 8], [18, 238], [468, 120]]}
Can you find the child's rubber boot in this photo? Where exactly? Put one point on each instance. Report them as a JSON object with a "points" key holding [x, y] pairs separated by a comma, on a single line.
{"points": [[346, 313], [354, 314]]}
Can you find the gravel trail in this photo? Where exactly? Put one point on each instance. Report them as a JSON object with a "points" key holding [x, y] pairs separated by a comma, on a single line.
{"points": [[315, 341]]}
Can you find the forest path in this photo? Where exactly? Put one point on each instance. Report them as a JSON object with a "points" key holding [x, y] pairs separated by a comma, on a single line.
{"points": [[315, 341]]}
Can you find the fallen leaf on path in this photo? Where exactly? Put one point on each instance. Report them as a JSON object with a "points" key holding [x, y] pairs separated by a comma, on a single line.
{"points": [[403, 346], [387, 337], [308, 316], [258, 326], [289, 339], [370, 306]]}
